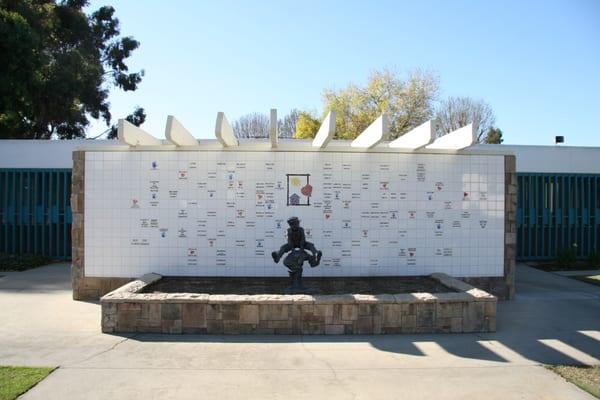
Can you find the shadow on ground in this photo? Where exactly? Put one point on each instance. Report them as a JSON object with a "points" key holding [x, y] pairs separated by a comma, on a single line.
{"points": [[554, 320]]}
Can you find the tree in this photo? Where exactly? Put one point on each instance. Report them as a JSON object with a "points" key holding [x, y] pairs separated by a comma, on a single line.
{"points": [[287, 125], [61, 67], [254, 125], [494, 136], [257, 125], [408, 102], [456, 112], [137, 118], [307, 126]]}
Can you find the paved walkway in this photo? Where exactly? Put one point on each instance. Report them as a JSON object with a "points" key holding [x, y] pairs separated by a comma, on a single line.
{"points": [[554, 320]]}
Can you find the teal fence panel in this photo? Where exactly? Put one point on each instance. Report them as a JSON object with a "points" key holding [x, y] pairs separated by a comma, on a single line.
{"points": [[35, 212], [557, 211]]}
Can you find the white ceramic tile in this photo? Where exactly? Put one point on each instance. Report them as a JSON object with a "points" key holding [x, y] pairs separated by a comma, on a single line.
{"points": [[186, 213]]}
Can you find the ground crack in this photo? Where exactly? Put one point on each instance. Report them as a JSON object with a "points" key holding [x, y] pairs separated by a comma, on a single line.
{"points": [[111, 348], [329, 367]]}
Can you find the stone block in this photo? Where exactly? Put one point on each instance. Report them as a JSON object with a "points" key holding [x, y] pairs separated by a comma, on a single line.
{"points": [[171, 326], [337, 314], [231, 327], [248, 313], [309, 328], [313, 318], [153, 329], [144, 325], [408, 323], [456, 325], [194, 315], [306, 309], [391, 330], [109, 308], [130, 308], [230, 312], [425, 315], [391, 315], [277, 324], [213, 312], [126, 321], [334, 329], [364, 325], [449, 310], [366, 310], [443, 324], [510, 238], [408, 309], [323, 310], [170, 312], [109, 321], [473, 317], [214, 327], [490, 309], [349, 312], [273, 312], [151, 311]]}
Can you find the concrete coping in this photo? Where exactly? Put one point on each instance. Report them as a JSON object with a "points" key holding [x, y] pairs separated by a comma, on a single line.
{"points": [[131, 293]]}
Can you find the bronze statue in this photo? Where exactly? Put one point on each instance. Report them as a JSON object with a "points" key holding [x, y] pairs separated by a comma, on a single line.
{"points": [[297, 245]]}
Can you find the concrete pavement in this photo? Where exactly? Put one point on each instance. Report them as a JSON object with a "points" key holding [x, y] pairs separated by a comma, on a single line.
{"points": [[554, 320]]}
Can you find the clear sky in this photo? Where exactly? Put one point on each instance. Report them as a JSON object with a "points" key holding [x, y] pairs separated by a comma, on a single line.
{"points": [[537, 63]]}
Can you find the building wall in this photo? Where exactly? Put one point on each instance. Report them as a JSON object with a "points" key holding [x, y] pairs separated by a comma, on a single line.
{"points": [[530, 159]]}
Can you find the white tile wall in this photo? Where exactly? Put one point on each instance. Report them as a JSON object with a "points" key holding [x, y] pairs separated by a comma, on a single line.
{"points": [[222, 213]]}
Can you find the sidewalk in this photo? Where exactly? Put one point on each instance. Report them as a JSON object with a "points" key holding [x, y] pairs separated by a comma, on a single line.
{"points": [[553, 320]]}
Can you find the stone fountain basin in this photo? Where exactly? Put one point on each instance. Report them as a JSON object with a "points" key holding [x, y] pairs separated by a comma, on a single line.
{"points": [[156, 304]]}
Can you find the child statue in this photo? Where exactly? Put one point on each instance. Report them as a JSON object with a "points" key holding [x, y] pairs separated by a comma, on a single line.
{"points": [[297, 245]]}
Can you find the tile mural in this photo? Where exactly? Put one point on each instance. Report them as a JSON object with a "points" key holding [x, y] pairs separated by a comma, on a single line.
{"points": [[216, 213]]}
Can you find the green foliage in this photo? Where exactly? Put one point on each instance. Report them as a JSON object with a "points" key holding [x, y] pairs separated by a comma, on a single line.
{"points": [[494, 136], [566, 257], [137, 118], [593, 259], [14, 381], [408, 102], [12, 262], [307, 126], [58, 66]]}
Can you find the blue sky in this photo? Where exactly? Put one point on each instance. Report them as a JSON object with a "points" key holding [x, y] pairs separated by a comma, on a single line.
{"points": [[537, 63]]}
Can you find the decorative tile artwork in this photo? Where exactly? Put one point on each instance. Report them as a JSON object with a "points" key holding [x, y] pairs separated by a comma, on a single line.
{"points": [[213, 213]]}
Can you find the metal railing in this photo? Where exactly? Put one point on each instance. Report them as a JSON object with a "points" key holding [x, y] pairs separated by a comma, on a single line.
{"points": [[35, 212], [557, 211]]}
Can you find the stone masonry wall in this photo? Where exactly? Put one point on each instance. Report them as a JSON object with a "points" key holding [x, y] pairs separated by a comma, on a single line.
{"points": [[469, 310]]}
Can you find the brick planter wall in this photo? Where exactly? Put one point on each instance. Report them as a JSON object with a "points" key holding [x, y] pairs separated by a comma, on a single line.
{"points": [[467, 310]]}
